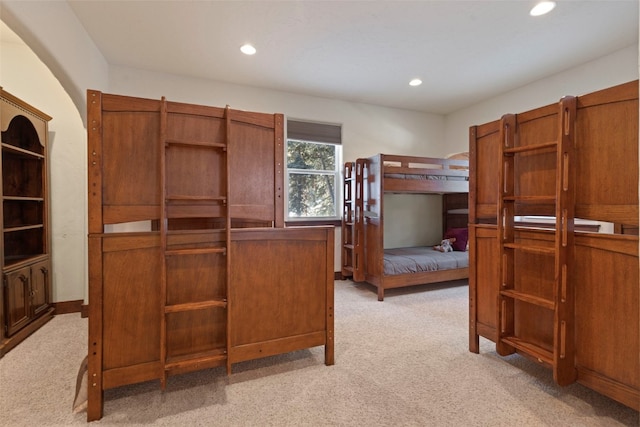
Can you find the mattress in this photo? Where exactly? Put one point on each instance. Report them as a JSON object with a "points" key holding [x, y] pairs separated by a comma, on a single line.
{"points": [[421, 259]]}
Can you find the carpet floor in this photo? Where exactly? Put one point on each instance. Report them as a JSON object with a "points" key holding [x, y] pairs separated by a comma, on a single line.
{"points": [[401, 362]]}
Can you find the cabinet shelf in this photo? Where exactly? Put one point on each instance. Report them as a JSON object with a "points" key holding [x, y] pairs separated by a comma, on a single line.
{"points": [[12, 149], [23, 199], [23, 228], [19, 212], [14, 261]]}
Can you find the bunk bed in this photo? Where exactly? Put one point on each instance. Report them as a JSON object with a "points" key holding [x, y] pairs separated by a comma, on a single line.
{"points": [[564, 298], [364, 256], [213, 278]]}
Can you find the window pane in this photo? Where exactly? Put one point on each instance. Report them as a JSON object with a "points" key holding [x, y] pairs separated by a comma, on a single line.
{"points": [[310, 155], [312, 195]]}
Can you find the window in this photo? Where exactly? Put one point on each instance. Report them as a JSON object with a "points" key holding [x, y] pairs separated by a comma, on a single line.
{"points": [[314, 159]]}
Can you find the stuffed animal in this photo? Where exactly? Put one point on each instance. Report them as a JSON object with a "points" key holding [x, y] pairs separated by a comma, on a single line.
{"points": [[445, 245]]}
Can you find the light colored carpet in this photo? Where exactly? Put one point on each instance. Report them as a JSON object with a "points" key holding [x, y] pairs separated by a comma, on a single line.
{"points": [[401, 362]]}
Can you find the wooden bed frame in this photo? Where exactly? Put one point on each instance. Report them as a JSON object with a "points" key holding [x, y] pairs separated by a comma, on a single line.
{"points": [[365, 182], [565, 299], [215, 278]]}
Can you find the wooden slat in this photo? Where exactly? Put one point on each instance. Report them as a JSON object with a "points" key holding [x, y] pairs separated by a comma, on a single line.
{"points": [[531, 249], [200, 144], [243, 352], [531, 299], [194, 251], [531, 147], [196, 361], [541, 354], [131, 374], [201, 305]]}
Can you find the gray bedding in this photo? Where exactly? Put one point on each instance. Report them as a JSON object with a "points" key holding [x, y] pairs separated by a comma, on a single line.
{"points": [[423, 258], [423, 177]]}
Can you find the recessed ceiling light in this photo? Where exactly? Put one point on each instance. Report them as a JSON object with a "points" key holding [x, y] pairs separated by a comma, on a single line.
{"points": [[247, 49], [415, 82], [542, 8]]}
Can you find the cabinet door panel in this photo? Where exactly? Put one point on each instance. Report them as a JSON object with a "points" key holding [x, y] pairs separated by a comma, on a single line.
{"points": [[17, 299], [40, 287]]}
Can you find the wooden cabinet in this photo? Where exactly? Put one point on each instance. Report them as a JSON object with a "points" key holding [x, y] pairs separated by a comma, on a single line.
{"points": [[25, 301], [27, 295]]}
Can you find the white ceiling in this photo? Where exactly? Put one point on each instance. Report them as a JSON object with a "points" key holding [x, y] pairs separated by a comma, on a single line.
{"points": [[362, 51]]}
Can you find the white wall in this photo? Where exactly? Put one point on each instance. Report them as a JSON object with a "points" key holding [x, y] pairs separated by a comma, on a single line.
{"points": [[616, 68]]}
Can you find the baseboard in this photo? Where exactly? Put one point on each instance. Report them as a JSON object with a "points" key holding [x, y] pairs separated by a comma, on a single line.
{"points": [[66, 307], [337, 275]]}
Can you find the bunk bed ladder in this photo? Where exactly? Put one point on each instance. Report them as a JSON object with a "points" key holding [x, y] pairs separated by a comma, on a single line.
{"points": [[352, 228], [348, 220], [560, 357], [189, 248]]}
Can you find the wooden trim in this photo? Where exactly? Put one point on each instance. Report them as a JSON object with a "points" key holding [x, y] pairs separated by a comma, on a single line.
{"points": [[66, 307], [279, 147], [94, 161], [84, 311]]}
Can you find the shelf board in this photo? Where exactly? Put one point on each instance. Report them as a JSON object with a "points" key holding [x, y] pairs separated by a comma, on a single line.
{"points": [[23, 199], [22, 228], [22, 151], [12, 261]]}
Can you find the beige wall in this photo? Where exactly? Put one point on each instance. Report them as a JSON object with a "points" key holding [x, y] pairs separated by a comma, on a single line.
{"points": [[23, 74]]}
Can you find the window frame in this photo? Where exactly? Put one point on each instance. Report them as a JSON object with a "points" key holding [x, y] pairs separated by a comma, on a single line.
{"points": [[315, 133]]}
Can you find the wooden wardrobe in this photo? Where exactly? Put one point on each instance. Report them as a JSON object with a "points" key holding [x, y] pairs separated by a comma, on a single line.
{"points": [[190, 266], [563, 298]]}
